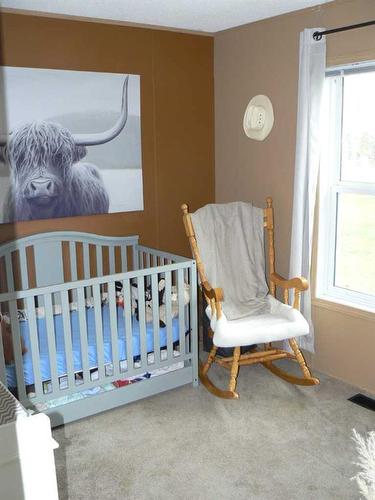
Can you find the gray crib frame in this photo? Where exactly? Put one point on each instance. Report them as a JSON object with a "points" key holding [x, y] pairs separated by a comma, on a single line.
{"points": [[50, 268]]}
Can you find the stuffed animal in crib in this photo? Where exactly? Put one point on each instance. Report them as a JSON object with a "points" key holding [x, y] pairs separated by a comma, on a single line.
{"points": [[161, 301], [174, 303], [148, 301], [119, 294], [7, 340]]}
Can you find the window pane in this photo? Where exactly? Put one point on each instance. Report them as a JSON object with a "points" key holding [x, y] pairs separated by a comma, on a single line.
{"points": [[355, 244], [358, 134]]}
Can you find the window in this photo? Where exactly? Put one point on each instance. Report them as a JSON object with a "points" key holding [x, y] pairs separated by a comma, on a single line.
{"points": [[346, 249]]}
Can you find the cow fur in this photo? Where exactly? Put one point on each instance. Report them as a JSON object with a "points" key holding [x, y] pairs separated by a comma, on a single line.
{"points": [[45, 150]]}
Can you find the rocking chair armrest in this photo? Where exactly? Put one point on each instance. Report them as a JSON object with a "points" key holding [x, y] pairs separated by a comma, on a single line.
{"points": [[299, 283], [215, 294]]}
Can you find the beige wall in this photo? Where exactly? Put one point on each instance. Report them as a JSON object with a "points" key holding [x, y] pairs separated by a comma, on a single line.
{"points": [[262, 58]]}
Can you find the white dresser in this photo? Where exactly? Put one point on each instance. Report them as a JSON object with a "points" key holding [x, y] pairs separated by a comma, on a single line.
{"points": [[27, 465]]}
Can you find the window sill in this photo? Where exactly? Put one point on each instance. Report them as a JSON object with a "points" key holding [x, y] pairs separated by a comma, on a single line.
{"points": [[343, 307]]}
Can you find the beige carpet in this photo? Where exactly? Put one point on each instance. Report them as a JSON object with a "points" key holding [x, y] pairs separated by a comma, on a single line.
{"points": [[277, 441]]}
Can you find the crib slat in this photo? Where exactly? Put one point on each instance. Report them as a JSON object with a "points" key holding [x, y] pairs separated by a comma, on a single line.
{"points": [[181, 309], [24, 270], [51, 336], [16, 335], [34, 342], [86, 267], [124, 259], [9, 272], [128, 323], [168, 313], [188, 279], [148, 256], [99, 330], [3, 373], [112, 266], [135, 258], [155, 317], [114, 331], [147, 266], [67, 338], [142, 320], [99, 260], [193, 337], [73, 260], [83, 334], [140, 259], [86, 261]]}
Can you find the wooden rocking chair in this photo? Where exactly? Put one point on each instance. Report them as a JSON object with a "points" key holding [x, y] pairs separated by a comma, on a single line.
{"points": [[214, 298]]}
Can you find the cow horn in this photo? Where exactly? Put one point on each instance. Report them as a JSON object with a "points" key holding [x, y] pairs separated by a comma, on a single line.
{"points": [[106, 136]]}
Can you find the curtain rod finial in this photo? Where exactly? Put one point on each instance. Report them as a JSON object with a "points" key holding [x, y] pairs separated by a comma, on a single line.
{"points": [[317, 36]]}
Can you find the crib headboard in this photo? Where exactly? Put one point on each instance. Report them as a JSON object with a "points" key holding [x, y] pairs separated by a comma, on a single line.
{"points": [[57, 257]]}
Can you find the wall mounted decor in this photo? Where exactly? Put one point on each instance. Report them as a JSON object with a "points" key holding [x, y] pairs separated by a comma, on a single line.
{"points": [[258, 118], [70, 143]]}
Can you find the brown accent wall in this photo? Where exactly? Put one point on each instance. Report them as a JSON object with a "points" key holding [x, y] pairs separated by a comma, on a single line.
{"points": [[262, 58], [177, 115]]}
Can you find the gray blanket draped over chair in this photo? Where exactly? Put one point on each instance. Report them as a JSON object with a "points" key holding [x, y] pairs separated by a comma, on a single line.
{"points": [[230, 238]]}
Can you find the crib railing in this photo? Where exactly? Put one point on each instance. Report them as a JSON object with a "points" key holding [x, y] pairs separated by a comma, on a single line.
{"points": [[56, 257], [61, 299]]}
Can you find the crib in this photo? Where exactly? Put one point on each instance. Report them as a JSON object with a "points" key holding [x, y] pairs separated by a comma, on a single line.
{"points": [[78, 347]]}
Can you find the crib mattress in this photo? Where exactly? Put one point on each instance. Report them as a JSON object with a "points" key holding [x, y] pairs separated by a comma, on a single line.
{"points": [[76, 344]]}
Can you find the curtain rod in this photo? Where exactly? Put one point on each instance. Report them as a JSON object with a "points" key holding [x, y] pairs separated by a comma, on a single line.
{"points": [[317, 35]]}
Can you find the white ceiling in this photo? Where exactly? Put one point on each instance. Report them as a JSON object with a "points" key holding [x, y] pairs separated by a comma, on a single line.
{"points": [[198, 15]]}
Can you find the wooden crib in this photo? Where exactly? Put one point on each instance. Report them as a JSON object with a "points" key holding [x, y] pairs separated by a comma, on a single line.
{"points": [[78, 349]]}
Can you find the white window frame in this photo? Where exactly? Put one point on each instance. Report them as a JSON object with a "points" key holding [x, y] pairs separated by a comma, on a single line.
{"points": [[331, 186]]}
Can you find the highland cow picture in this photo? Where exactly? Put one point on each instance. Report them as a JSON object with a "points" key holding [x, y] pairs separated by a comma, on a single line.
{"points": [[70, 143]]}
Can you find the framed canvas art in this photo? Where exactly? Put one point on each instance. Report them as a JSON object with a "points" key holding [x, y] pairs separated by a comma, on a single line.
{"points": [[70, 143]]}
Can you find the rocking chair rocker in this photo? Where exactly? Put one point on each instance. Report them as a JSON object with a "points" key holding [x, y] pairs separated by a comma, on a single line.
{"points": [[280, 322]]}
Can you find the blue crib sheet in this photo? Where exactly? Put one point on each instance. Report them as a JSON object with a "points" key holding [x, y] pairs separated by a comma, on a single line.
{"points": [[76, 344]]}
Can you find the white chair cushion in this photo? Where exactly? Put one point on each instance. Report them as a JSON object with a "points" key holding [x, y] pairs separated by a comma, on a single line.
{"points": [[283, 322]]}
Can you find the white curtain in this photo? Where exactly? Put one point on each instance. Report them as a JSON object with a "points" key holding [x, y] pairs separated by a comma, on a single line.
{"points": [[312, 63]]}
